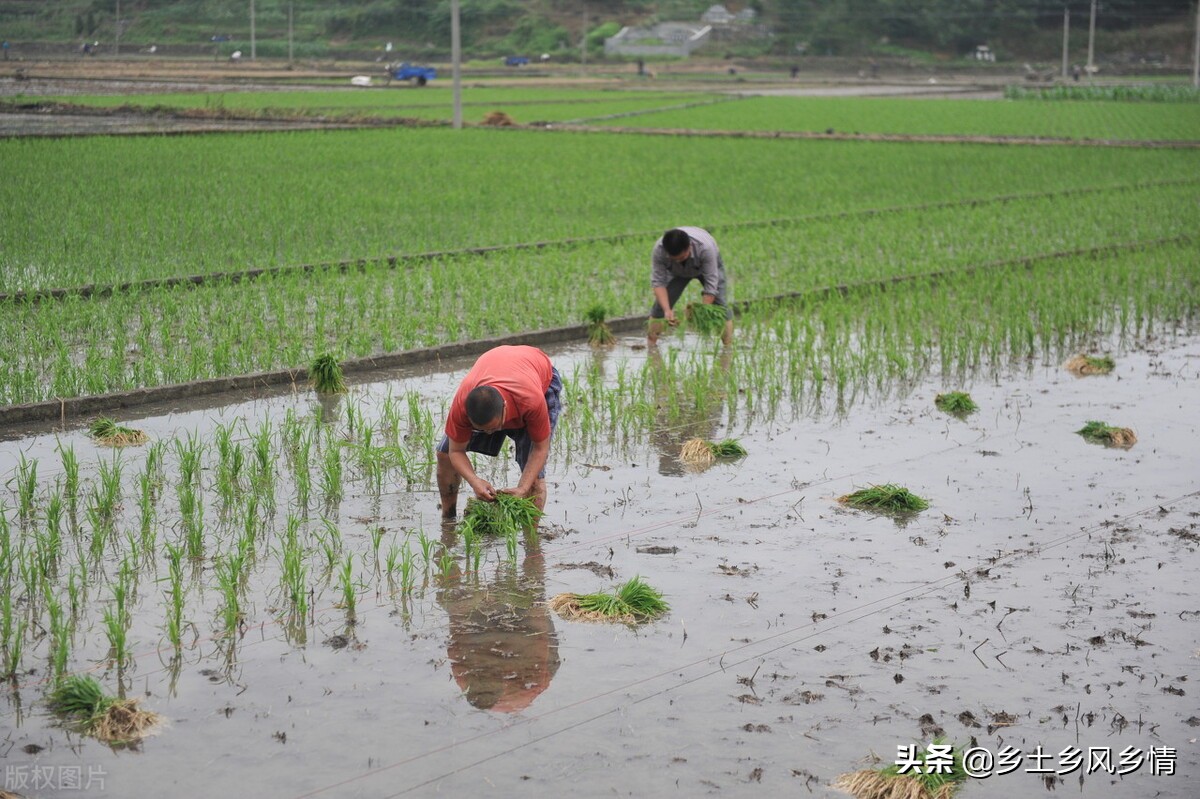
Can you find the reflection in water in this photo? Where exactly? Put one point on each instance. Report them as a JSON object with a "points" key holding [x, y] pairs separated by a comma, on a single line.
{"points": [[502, 647], [681, 418]]}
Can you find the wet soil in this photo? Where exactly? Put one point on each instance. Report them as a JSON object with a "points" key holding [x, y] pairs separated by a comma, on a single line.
{"points": [[1047, 598]]}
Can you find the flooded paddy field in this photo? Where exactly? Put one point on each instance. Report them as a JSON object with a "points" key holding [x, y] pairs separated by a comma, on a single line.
{"points": [[1046, 598]]}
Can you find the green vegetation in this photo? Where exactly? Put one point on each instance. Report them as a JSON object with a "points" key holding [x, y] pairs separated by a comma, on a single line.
{"points": [[1152, 93], [1102, 433], [599, 333], [80, 699], [326, 376], [1091, 364], [698, 453], [106, 431], [920, 780], [632, 602], [956, 403], [504, 517], [887, 498], [707, 318], [1092, 120]]}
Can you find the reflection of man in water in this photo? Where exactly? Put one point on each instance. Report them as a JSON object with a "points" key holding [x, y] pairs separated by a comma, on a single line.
{"points": [[671, 430], [503, 649]]}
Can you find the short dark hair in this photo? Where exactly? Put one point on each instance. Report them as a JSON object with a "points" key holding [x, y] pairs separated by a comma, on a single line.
{"points": [[484, 404], [675, 241]]}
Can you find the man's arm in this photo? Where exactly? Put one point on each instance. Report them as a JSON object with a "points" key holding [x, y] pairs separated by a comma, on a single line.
{"points": [[664, 302], [462, 464], [710, 276]]}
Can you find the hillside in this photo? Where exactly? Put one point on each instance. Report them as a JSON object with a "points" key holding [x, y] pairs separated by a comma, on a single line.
{"points": [[935, 29]]}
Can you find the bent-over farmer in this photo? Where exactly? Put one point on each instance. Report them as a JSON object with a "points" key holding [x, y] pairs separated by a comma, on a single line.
{"points": [[682, 255], [511, 391]]}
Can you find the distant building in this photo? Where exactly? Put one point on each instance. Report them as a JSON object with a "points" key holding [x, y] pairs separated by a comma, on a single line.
{"points": [[717, 15], [665, 38]]}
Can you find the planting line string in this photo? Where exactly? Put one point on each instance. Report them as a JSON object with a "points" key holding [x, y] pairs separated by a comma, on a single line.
{"points": [[843, 619], [393, 261]]}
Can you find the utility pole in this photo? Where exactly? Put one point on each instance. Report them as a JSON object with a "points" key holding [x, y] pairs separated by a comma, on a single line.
{"points": [[583, 44], [290, 30], [1066, 39], [1196, 52], [253, 51], [117, 40], [456, 62], [1091, 65]]}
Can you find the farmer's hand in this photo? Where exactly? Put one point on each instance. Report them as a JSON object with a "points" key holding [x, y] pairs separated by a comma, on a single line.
{"points": [[484, 490], [669, 315], [520, 492]]}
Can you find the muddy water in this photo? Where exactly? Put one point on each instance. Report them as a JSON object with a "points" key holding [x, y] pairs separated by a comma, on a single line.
{"points": [[1047, 598]]}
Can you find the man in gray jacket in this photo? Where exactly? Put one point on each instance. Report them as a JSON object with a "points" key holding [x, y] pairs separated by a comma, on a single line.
{"points": [[682, 255]]}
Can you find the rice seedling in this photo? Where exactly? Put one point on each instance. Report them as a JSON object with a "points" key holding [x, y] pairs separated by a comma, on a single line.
{"points": [[698, 453], [599, 333], [1102, 433], [632, 602], [507, 515], [955, 403], [81, 700], [349, 596], [105, 431], [325, 374], [935, 773], [26, 487], [229, 576], [175, 595], [1090, 364], [887, 498], [707, 318], [331, 471]]}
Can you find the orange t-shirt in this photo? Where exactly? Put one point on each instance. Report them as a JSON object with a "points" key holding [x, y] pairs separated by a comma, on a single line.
{"points": [[521, 374]]}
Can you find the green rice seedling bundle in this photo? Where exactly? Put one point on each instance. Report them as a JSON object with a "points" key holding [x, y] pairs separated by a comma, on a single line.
{"points": [[506, 516], [707, 318], [956, 403], [1102, 433], [1090, 364], [923, 780], [106, 431], [108, 718], [698, 453], [599, 333], [887, 498], [632, 602], [325, 374]]}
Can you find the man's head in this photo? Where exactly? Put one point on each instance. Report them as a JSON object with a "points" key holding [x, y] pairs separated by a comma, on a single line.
{"points": [[485, 409], [677, 244]]}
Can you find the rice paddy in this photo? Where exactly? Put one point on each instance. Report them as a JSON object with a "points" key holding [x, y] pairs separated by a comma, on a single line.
{"points": [[266, 550]]}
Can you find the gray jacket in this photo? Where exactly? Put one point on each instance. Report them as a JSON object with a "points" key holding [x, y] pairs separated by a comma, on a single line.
{"points": [[704, 262]]}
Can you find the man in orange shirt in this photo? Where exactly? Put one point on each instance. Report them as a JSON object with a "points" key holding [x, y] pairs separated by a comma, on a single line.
{"points": [[513, 392]]}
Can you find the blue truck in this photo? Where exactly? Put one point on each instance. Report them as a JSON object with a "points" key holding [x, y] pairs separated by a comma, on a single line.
{"points": [[416, 75]]}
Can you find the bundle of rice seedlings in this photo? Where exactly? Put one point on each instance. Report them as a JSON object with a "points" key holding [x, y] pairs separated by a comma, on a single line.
{"points": [[956, 403], [699, 453], [106, 431], [107, 718], [599, 333], [1105, 434], [707, 318], [888, 498], [631, 602], [325, 374], [915, 783], [1090, 365], [507, 515]]}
